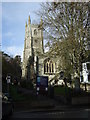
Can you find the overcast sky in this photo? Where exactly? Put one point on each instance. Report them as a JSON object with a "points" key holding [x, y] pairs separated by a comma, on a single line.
{"points": [[14, 17]]}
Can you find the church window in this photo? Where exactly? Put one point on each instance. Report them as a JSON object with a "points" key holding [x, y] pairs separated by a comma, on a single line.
{"points": [[44, 68], [35, 32], [48, 66]]}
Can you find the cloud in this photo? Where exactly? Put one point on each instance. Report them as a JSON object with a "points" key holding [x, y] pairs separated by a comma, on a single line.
{"points": [[24, 0], [8, 34], [0, 40], [9, 39], [14, 16], [14, 50], [0, 36]]}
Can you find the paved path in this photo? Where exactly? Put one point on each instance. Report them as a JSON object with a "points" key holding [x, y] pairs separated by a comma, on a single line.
{"points": [[75, 113]]}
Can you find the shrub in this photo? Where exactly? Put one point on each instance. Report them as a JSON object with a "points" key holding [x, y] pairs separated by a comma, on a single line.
{"points": [[26, 84], [23, 83]]}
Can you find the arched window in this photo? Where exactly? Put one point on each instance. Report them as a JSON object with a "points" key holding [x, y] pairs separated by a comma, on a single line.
{"points": [[35, 32], [52, 68], [44, 68], [49, 66]]}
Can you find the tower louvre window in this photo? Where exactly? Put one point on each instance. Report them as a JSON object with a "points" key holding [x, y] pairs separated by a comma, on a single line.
{"points": [[35, 32], [35, 41]]}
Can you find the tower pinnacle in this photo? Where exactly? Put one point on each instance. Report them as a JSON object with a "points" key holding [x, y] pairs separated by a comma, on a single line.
{"points": [[41, 22], [29, 20], [26, 24]]}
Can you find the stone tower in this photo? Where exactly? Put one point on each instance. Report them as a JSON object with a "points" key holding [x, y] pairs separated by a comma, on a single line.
{"points": [[33, 44]]}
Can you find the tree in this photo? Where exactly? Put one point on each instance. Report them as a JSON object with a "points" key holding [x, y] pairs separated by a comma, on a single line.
{"points": [[66, 28], [11, 66]]}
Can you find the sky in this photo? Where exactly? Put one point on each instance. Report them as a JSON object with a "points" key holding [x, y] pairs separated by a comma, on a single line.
{"points": [[12, 25], [14, 17]]}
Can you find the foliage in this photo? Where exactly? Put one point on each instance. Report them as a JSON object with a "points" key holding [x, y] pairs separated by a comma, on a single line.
{"points": [[66, 26], [26, 84], [4, 86], [15, 95], [11, 66], [20, 96], [71, 92], [23, 84], [80, 93]]}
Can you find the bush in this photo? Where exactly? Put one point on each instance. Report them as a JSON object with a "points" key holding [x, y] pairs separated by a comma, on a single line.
{"points": [[23, 83], [26, 84], [80, 93], [29, 85], [15, 95], [4, 86]]}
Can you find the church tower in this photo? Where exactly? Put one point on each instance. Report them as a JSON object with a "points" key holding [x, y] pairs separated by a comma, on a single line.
{"points": [[33, 44]]}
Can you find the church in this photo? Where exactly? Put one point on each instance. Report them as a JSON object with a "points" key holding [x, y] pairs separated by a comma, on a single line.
{"points": [[36, 62]]}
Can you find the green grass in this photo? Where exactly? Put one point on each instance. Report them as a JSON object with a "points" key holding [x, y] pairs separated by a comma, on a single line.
{"points": [[16, 96], [59, 90]]}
